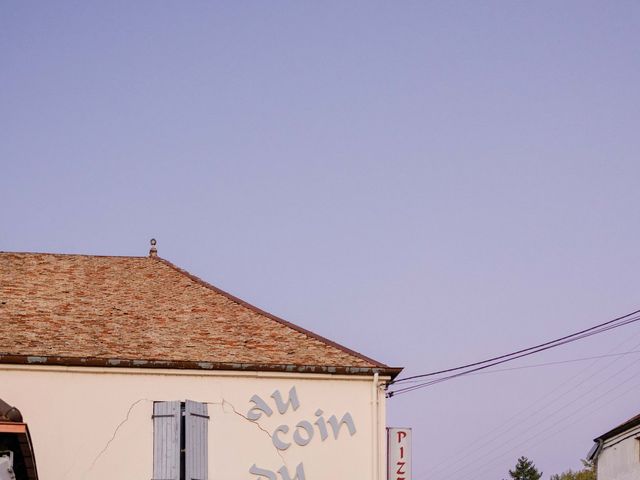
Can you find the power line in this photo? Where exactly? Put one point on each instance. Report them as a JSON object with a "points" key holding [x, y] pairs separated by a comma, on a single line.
{"points": [[603, 327], [558, 423], [548, 364], [497, 433], [508, 441], [517, 352], [505, 360]]}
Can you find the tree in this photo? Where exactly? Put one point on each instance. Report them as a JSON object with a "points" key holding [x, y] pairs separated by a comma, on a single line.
{"points": [[525, 470], [588, 472]]}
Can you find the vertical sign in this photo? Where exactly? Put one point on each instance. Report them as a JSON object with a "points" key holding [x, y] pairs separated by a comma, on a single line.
{"points": [[399, 453]]}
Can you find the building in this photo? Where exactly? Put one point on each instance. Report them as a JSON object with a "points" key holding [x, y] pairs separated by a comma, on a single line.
{"points": [[130, 367], [17, 459], [617, 452]]}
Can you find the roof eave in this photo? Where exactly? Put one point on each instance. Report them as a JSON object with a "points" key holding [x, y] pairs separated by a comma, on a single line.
{"points": [[629, 424], [21, 433], [391, 372]]}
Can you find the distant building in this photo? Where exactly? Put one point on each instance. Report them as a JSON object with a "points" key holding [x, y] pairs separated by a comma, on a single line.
{"points": [[617, 452], [17, 460], [129, 367]]}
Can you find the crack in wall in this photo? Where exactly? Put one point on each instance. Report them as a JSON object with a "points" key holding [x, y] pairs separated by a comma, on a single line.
{"points": [[260, 427], [115, 433], [134, 404]]}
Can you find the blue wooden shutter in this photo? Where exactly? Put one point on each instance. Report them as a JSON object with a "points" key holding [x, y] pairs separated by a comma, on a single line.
{"points": [[166, 440], [196, 430]]}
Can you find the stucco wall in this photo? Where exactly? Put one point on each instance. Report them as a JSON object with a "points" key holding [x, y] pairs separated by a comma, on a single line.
{"points": [[620, 457], [90, 423]]}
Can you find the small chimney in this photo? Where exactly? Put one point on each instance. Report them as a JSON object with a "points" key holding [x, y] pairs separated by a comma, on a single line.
{"points": [[153, 251]]}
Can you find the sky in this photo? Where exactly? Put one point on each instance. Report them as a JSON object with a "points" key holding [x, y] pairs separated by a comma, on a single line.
{"points": [[429, 183]]}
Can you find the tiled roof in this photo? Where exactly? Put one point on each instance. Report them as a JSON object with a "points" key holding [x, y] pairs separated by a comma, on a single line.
{"points": [[146, 312]]}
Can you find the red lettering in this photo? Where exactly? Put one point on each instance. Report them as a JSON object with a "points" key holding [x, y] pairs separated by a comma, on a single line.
{"points": [[401, 452], [401, 435], [400, 467]]}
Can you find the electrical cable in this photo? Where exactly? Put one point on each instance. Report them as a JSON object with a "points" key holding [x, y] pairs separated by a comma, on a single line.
{"points": [[548, 364], [566, 387], [514, 356], [509, 441], [442, 379], [479, 469], [450, 377], [517, 352]]}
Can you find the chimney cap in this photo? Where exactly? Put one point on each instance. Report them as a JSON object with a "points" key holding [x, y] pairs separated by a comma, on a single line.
{"points": [[153, 251]]}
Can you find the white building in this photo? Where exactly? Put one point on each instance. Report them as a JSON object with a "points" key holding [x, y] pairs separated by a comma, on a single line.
{"points": [[129, 367], [617, 452]]}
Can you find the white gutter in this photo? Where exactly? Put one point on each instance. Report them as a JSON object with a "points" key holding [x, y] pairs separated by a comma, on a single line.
{"points": [[376, 429]]}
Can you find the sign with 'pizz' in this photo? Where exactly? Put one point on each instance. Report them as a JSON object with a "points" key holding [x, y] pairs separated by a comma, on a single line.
{"points": [[399, 453]]}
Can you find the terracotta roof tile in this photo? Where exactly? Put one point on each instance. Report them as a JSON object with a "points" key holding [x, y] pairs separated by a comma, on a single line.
{"points": [[138, 309]]}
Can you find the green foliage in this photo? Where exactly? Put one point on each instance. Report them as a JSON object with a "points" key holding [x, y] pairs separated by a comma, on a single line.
{"points": [[525, 470], [587, 473]]}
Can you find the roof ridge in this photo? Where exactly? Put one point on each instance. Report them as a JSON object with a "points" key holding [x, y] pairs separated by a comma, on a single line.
{"points": [[74, 255], [258, 310]]}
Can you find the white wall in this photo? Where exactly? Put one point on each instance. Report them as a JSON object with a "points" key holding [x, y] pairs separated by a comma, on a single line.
{"points": [[93, 423], [620, 457]]}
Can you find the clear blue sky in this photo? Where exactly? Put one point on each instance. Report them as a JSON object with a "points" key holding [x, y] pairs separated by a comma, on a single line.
{"points": [[427, 182]]}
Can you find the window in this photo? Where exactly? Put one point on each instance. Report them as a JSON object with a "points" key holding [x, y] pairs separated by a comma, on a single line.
{"points": [[180, 440]]}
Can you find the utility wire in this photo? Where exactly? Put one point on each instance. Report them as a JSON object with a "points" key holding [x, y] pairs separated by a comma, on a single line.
{"points": [[567, 387], [515, 355], [548, 364], [482, 367], [509, 441], [517, 352], [479, 468]]}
